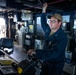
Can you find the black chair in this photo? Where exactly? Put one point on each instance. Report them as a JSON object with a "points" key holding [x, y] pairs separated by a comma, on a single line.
{"points": [[7, 45]]}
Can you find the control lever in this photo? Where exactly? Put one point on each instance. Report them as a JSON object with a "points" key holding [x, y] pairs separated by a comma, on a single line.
{"points": [[36, 60]]}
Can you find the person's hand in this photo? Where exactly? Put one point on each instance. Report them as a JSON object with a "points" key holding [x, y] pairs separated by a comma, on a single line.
{"points": [[44, 7], [31, 52]]}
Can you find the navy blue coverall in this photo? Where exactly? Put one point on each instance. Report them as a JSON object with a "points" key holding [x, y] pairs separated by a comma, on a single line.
{"points": [[53, 52]]}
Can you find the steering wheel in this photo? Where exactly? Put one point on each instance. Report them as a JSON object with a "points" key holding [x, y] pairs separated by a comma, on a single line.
{"points": [[37, 61]]}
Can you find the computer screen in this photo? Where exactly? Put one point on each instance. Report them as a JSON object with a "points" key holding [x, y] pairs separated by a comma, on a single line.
{"points": [[27, 16], [66, 18], [39, 30], [38, 44], [66, 26], [74, 27], [30, 26]]}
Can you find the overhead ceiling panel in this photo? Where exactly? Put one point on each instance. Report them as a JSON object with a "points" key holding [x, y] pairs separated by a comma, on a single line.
{"points": [[3, 3], [64, 5], [36, 5]]}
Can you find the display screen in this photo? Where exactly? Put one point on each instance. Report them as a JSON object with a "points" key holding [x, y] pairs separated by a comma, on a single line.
{"points": [[38, 44], [39, 30], [27, 16], [74, 27], [31, 26], [66, 18], [28, 40], [66, 26]]}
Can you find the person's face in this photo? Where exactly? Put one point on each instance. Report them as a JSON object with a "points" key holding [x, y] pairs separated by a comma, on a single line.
{"points": [[54, 24]]}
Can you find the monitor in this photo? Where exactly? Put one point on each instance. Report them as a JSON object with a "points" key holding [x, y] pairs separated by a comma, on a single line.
{"points": [[38, 44], [39, 30], [66, 18], [30, 26], [27, 16], [29, 42], [74, 27], [66, 26]]}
